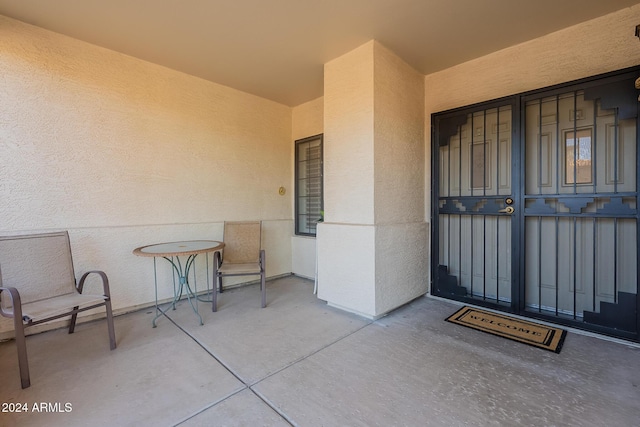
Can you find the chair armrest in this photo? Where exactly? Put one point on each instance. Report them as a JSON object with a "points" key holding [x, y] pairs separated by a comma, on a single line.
{"points": [[217, 258], [16, 303], [105, 282], [262, 260]]}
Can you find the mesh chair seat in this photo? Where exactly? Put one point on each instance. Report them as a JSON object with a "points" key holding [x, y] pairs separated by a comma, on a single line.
{"points": [[242, 256], [52, 307], [230, 269]]}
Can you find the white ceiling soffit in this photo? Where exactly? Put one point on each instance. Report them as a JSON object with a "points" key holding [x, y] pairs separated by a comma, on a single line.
{"points": [[276, 48]]}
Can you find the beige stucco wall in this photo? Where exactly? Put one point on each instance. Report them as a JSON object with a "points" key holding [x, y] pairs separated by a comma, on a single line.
{"points": [[307, 120], [348, 138], [398, 139], [346, 238], [401, 231], [372, 245], [597, 46], [124, 153]]}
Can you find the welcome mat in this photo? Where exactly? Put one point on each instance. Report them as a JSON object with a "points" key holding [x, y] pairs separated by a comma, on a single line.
{"points": [[534, 334]]}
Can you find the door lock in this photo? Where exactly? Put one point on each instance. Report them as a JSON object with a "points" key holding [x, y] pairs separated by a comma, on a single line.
{"points": [[508, 210]]}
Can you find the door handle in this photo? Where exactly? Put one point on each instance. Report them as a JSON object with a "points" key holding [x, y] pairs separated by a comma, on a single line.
{"points": [[508, 210]]}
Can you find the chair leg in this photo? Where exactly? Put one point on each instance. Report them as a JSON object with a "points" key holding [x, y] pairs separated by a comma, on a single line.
{"points": [[74, 318], [214, 296], [112, 330], [263, 285], [21, 344], [110, 327], [214, 291]]}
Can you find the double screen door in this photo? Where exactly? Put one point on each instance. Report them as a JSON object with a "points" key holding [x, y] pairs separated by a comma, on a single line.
{"points": [[535, 206]]}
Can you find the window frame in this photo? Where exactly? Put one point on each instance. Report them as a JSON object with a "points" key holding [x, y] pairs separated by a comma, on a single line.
{"points": [[299, 230]]}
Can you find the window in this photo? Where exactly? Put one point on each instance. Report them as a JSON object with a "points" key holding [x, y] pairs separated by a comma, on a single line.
{"points": [[578, 168], [309, 204]]}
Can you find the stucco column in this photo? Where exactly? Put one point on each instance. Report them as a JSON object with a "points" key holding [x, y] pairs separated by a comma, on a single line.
{"points": [[372, 247]]}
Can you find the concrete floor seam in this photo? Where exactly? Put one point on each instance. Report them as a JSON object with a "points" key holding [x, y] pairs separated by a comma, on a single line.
{"points": [[232, 372], [250, 386]]}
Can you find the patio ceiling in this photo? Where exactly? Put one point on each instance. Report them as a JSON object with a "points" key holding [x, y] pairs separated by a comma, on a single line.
{"points": [[276, 48]]}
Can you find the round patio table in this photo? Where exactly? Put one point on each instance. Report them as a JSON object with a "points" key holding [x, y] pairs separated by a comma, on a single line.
{"points": [[172, 252]]}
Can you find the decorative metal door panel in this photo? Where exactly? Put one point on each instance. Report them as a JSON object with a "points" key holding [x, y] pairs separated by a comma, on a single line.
{"points": [[475, 204], [535, 208], [580, 207]]}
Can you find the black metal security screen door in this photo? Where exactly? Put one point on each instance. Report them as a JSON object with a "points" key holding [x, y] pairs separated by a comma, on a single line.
{"points": [[535, 208], [475, 205]]}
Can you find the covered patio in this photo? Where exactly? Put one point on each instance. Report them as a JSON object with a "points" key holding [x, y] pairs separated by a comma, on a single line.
{"points": [[125, 150], [301, 362]]}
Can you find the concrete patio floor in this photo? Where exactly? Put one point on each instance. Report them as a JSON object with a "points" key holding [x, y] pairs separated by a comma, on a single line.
{"points": [[300, 362]]}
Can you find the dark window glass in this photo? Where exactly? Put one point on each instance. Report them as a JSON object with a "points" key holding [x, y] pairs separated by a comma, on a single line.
{"points": [[309, 206]]}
